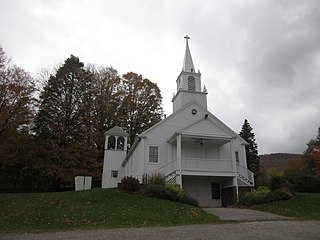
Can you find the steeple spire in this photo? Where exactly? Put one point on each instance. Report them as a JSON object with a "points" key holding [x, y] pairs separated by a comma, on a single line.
{"points": [[187, 62], [189, 84]]}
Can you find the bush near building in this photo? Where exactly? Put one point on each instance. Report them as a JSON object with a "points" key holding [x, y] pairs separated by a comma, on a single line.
{"points": [[156, 187], [265, 195]]}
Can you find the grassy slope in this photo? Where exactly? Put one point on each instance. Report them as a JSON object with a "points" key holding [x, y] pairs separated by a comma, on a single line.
{"points": [[303, 205], [33, 212]]}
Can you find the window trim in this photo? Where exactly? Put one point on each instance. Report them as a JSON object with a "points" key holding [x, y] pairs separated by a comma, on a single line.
{"points": [[114, 172], [158, 159]]}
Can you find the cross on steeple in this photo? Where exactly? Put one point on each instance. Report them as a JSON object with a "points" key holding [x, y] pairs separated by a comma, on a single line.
{"points": [[187, 38], [187, 62]]}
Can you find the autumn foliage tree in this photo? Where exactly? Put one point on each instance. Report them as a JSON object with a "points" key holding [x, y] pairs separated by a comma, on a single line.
{"points": [[252, 148], [141, 105], [107, 96], [312, 154], [44, 144], [16, 96], [17, 101]]}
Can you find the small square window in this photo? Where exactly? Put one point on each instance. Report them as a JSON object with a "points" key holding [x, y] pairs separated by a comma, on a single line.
{"points": [[114, 174]]}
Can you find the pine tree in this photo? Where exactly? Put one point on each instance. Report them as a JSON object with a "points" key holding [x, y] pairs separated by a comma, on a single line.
{"points": [[64, 123], [58, 119], [252, 148]]}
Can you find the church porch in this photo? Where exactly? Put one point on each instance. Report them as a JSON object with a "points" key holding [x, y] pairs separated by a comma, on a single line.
{"points": [[204, 155]]}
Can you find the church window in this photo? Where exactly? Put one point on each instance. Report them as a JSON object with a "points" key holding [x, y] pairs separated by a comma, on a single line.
{"points": [[191, 83], [237, 156], [120, 143], [114, 174], [153, 154], [112, 142], [215, 191]]}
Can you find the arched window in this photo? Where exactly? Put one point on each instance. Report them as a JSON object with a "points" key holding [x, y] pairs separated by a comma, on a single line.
{"points": [[191, 83], [111, 142], [120, 143]]}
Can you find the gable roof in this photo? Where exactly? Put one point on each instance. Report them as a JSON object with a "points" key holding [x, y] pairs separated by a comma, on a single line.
{"points": [[213, 119], [205, 126], [117, 131]]}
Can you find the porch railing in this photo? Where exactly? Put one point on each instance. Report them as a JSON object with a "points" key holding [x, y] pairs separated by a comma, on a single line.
{"points": [[245, 173], [204, 164], [169, 167]]}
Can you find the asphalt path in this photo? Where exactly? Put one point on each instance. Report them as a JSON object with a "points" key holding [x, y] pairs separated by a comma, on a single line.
{"points": [[261, 230], [244, 215]]}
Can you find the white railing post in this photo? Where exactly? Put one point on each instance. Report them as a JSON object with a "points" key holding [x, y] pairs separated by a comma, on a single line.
{"points": [[179, 163], [233, 157]]}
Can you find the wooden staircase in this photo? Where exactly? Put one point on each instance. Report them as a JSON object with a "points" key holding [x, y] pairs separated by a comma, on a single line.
{"points": [[245, 177]]}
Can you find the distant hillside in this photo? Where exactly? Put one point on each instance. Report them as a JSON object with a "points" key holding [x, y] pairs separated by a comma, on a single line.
{"points": [[278, 160]]}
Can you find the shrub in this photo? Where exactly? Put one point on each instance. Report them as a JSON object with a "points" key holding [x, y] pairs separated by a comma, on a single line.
{"points": [[281, 194], [157, 179], [180, 195], [177, 190], [277, 182], [256, 196], [304, 182], [262, 180], [129, 184], [168, 192], [154, 190]]}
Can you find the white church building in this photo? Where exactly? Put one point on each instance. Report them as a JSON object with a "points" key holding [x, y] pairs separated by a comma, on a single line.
{"points": [[191, 147]]}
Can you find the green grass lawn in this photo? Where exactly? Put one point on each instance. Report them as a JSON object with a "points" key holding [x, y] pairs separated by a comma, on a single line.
{"points": [[97, 208], [303, 205]]}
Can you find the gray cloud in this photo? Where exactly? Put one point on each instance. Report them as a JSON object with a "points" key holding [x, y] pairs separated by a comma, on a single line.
{"points": [[260, 60]]}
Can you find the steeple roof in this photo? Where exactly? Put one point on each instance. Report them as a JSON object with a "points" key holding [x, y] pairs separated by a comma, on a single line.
{"points": [[187, 62]]}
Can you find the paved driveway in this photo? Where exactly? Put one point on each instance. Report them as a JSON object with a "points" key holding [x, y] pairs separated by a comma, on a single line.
{"points": [[284, 230], [239, 214]]}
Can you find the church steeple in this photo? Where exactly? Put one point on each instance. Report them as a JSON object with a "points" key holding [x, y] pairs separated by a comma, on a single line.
{"points": [[187, 61], [189, 83]]}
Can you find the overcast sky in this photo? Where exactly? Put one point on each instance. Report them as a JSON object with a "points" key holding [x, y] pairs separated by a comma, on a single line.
{"points": [[259, 60]]}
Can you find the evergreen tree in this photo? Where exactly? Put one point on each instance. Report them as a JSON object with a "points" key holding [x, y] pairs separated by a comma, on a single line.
{"points": [[252, 148], [58, 120], [64, 124]]}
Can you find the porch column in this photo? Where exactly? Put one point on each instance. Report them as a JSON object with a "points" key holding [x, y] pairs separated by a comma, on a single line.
{"points": [[179, 163], [237, 188], [233, 156], [143, 160], [234, 165]]}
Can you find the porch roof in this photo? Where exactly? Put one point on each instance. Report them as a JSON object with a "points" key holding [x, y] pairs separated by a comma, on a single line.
{"points": [[191, 137]]}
